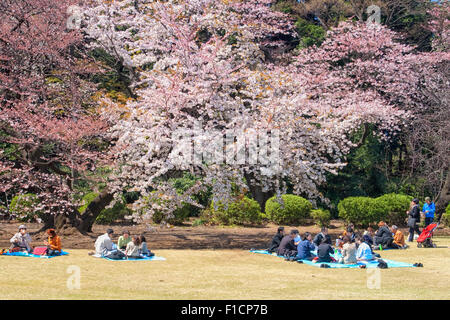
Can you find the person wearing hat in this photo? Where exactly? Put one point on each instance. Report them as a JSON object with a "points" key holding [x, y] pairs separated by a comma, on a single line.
{"points": [[105, 247], [53, 244], [428, 209], [21, 241], [413, 219]]}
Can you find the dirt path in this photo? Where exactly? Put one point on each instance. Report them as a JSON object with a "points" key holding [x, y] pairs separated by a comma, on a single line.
{"points": [[178, 237]]}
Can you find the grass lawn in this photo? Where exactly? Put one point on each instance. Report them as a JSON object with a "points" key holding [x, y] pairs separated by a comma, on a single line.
{"points": [[223, 274]]}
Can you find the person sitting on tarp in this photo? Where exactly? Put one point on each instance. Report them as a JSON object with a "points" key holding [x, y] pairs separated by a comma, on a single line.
{"points": [[105, 247], [322, 235], [368, 236], [363, 253], [21, 241], [276, 240], [324, 252], [132, 249], [383, 236], [399, 239], [123, 240], [305, 247], [53, 244], [288, 245], [348, 251], [143, 248]]}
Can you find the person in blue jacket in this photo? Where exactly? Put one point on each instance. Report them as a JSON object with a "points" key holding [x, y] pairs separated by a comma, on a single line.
{"points": [[305, 247], [428, 209]]}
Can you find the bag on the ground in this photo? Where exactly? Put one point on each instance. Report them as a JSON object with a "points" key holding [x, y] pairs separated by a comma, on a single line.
{"points": [[39, 251]]}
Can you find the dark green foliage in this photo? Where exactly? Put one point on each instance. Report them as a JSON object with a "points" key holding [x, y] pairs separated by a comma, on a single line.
{"points": [[361, 211], [241, 211], [292, 210], [395, 207], [446, 216], [23, 205], [110, 215], [309, 33], [321, 217], [180, 215]]}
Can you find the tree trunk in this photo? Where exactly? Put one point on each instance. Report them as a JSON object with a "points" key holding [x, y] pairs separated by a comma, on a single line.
{"points": [[93, 210], [79, 222], [444, 197], [257, 193]]}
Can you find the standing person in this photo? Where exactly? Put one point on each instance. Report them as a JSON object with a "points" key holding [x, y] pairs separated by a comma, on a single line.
{"points": [[132, 249], [429, 208], [53, 244], [324, 252], [276, 240], [305, 247], [288, 245], [105, 247], [348, 251], [143, 249], [322, 235], [21, 241], [123, 240], [413, 219], [383, 236]]}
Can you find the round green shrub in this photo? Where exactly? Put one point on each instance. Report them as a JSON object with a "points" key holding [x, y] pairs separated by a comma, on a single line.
{"points": [[395, 207], [446, 216], [361, 211], [292, 210], [241, 211], [23, 206], [321, 217]]}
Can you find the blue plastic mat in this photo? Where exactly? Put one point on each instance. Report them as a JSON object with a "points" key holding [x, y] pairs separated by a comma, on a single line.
{"points": [[368, 264], [30, 255], [154, 258]]}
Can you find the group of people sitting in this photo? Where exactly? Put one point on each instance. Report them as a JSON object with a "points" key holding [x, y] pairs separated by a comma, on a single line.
{"points": [[352, 246], [127, 246], [21, 242]]}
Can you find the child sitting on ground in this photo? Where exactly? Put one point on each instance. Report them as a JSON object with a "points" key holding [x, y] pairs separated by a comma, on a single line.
{"points": [[143, 249], [132, 249]]}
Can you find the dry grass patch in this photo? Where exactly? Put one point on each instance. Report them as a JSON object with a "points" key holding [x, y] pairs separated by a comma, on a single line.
{"points": [[223, 274]]}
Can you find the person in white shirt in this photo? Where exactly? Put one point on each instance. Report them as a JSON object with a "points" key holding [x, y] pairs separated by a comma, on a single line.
{"points": [[105, 247]]}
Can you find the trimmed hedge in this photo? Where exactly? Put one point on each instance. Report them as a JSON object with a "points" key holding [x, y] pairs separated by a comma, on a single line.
{"points": [[241, 211], [361, 211], [321, 217], [292, 210], [446, 216], [395, 206], [365, 211]]}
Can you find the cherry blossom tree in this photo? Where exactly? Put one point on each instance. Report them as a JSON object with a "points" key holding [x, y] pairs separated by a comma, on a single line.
{"points": [[46, 106]]}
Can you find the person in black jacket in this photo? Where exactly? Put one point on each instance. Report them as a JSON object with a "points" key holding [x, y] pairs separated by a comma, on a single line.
{"points": [[413, 219], [276, 240], [324, 252], [322, 235], [288, 245], [383, 236]]}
